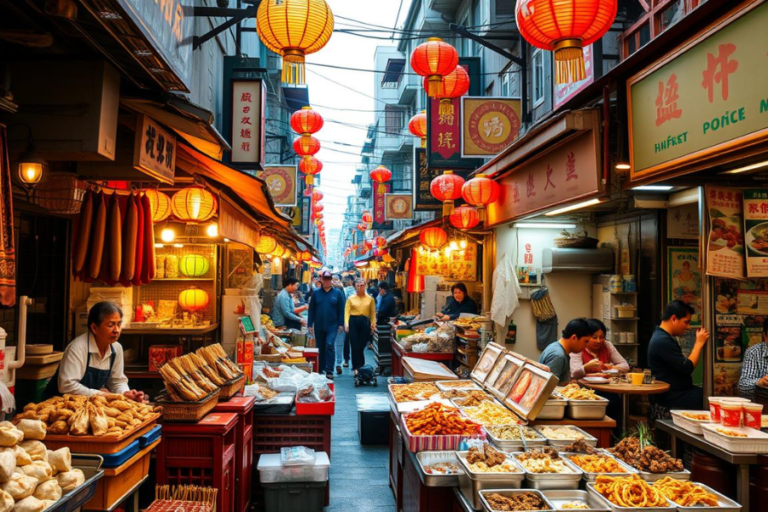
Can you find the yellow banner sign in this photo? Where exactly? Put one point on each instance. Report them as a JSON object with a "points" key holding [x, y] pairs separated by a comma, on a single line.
{"points": [[490, 125], [707, 99], [281, 181]]}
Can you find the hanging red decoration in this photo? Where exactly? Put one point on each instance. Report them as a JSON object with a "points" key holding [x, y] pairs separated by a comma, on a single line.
{"points": [[310, 166], [367, 219], [434, 59], [453, 85], [306, 121], [367, 246], [381, 175], [480, 191], [434, 237], [415, 281], [465, 217], [361, 227], [565, 28], [418, 127], [317, 195], [380, 241], [447, 188], [306, 146]]}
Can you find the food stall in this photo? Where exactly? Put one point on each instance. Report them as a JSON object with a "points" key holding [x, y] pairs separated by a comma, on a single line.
{"points": [[480, 443]]}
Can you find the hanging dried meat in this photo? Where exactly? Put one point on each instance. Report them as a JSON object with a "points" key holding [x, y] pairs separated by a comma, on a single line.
{"points": [[82, 235], [148, 267], [97, 237], [139, 242], [129, 238]]}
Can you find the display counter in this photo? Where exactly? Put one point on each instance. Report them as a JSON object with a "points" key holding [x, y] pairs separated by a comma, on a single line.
{"points": [[398, 352]]}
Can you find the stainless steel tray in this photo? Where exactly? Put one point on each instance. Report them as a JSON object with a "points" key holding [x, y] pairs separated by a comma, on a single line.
{"points": [[587, 409], [467, 384], [560, 497], [471, 483], [510, 445], [600, 498], [554, 408], [511, 492], [726, 503], [591, 477], [653, 477], [559, 443], [436, 480], [553, 480]]}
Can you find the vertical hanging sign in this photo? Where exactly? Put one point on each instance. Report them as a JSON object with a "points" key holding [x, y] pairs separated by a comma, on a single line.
{"points": [[379, 206], [247, 123], [756, 232]]}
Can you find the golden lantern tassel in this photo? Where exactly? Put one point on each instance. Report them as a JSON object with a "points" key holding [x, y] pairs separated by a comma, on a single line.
{"points": [[447, 208], [293, 67], [569, 60], [434, 84], [423, 142], [309, 180], [481, 213], [382, 189]]}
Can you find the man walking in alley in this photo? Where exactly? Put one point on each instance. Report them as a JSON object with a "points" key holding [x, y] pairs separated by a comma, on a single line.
{"points": [[326, 321]]}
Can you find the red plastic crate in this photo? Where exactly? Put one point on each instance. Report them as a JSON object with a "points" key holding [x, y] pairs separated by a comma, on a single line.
{"points": [[243, 407], [317, 408]]}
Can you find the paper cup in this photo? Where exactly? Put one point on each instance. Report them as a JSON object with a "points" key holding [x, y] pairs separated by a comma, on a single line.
{"points": [[730, 414], [636, 378], [751, 414], [714, 409]]}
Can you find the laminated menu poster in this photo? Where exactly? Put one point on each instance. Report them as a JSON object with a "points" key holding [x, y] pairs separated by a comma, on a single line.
{"points": [[756, 232], [726, 378], [729, 343], [725, 242]]}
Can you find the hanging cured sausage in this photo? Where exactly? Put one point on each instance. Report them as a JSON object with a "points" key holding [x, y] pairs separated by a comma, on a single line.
{"points": [[97, 238], [82, 235], [129, 234], [139, 242]]}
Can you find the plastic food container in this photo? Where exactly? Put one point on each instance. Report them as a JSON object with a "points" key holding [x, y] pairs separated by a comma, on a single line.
{"points": [[272, 470], [691, 425], [435, 479], [448, 385], [751, 415], [471, 482], [730, 414], [543, 481], [509, 492], [714, 409], [755, 442]]}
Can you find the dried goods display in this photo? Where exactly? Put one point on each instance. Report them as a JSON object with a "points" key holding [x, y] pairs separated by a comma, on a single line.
{"points": [[489, 460], [703, 416], [645, 457], [512, 432], [575, 392], [472, 398], [685, 493], [100, 415], [438, 420], [439, 340], [517, 502], [544, 460], [490, 413], [469, 322], [414, 392], [630, 491], [579, 446], [730, 433], [575, 505], [194, 376], [561, 433], [597, 463], [442, 468]]}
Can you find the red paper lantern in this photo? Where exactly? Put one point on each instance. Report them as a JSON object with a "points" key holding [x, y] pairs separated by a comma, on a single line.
{"points": [[381, 175], [318, 208], [317, 195], [380, 241], [434, 237], [361, 227], [453, 85], [306, 121], [565, 28], [433, 60], [480, 191], [310, 166], [306, 146], [367, 246], [447, 188], [367, 218], [418, 127], [465, 217]]}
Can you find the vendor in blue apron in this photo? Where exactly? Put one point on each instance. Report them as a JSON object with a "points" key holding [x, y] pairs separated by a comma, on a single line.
{"points": [[93, 362]]}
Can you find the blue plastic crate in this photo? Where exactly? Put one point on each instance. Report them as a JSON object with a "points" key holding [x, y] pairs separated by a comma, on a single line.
{"points": [[114, 460], [150, 437]]}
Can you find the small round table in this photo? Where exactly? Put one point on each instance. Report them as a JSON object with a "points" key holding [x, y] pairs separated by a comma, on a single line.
{"points": [[625, 390]]}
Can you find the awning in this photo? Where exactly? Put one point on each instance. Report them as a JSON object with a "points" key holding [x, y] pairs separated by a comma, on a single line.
{"points": [[296, 97], [192, 122]]}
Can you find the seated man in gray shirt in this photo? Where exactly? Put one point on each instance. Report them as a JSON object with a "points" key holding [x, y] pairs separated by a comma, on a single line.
{"points": [[556, 356]]}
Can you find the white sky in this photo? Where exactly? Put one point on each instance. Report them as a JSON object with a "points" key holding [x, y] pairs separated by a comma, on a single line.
{"points": [[356, 52]]}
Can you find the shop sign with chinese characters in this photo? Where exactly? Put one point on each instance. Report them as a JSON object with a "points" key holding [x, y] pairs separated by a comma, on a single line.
{"points": [[725, 243], [708, 99], [756, 232], [247, 122], [490, 125], [281, 182], [398, 207], [379, 211], [154, 151], [565, 174]]}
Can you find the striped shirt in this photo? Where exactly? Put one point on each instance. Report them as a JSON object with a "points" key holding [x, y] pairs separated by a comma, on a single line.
{"points": [[754, 368]]}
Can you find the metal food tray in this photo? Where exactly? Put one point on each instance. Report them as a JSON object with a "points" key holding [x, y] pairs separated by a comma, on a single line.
{"points": [[543, 481], [591, 477], [653, 477], [587, 409], [726, 504], [560, 443], [512, 492], [467, 385], [430, 480], [559, 497], [554, 408], [471, 483], [606, 503], [510, 445], [76, 498]]}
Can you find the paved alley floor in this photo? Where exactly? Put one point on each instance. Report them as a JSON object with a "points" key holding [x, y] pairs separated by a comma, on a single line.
{"points": [[359, 474]]}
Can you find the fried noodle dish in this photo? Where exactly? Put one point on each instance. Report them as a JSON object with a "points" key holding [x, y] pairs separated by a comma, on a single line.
{"points": [[575, 392], [597, 464], [631, 491], [685, 493]]}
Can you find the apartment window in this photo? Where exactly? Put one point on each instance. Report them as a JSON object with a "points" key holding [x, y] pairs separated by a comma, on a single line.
{"points": [[537, 65], [660, 15], [671, 15], [394, 120], [505, 8], [507, 83]]}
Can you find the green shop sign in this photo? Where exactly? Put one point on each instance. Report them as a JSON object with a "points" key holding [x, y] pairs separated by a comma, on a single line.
{"points": [[705, 97]]}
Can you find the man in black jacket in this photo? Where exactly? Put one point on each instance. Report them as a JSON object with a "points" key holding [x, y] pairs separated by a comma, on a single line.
{"points": [[385, 304]]}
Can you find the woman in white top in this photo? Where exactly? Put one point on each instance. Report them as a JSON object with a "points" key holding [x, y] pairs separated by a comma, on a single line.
{"points": [[599, 355], [93, 362]]}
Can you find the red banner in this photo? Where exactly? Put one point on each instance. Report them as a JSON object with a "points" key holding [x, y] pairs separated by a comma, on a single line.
{"points": [[379, 206]]}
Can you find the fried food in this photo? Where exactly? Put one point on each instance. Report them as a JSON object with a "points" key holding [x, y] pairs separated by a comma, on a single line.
{"points": [[597, 464], [575, 392], [472, 398], [488, 454], [649, 458], [730, 433], [522, 501], [438, 420], [561, 433], [490, 413], [631, 491], [512, 433], [579, 446], [459, 384], [685, 493], [702, 416], [414, 392], [544, 460]]}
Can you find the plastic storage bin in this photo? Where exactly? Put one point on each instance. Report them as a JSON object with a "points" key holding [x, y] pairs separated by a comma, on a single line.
{"points": [[271, 469], [113, 460], [151, 436], [294, 497]]}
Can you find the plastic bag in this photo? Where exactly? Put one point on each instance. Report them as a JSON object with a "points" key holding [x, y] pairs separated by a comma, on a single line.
{"points": [[297, 456], [315, 389]]}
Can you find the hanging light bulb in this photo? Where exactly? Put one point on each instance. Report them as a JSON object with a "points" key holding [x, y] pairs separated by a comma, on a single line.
{"points": [[463, 244], [167, 235], [448, 251], [212, 230], [453, 245]]}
